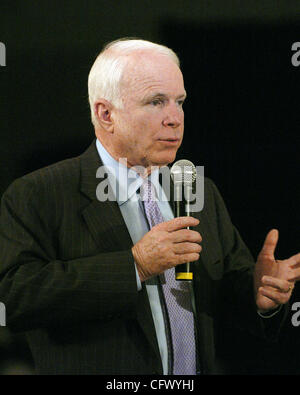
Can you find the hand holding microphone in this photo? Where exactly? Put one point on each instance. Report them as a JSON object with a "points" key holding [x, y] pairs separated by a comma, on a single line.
{"points": [[172, 243], [166, 245]]}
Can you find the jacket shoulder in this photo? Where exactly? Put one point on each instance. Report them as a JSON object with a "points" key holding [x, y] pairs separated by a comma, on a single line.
{"points": [[62, 174]]}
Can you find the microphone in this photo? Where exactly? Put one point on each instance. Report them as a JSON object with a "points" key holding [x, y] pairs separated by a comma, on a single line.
{"points": [[183, 173]]}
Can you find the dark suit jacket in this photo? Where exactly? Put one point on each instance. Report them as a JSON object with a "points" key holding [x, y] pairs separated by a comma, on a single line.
{"points": [[67, 275]]}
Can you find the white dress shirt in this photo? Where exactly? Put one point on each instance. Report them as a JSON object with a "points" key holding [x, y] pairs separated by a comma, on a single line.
{"points": [[127, 183]]}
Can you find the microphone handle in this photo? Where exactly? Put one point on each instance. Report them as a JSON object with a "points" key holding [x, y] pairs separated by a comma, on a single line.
{"points": [[183, 272]]}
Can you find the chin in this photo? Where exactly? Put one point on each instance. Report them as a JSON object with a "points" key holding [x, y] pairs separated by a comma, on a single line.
{"points": [[164, 160]]}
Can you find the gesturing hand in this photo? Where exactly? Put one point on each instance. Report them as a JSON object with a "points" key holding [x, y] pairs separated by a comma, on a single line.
{"points": [[166, 245], [274, 280]]}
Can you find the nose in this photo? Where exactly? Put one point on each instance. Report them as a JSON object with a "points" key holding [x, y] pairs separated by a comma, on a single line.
{"points": [[174, 116]]}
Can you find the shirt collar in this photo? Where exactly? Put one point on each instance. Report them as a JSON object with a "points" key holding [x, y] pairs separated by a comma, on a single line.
{"points": [[127, 181]]}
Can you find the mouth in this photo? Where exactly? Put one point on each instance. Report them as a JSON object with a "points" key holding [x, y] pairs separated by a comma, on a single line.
{"points": [[170, 141]]}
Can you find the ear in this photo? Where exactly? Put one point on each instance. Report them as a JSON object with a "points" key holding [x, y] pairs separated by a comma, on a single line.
{"points": [[102, 111]]}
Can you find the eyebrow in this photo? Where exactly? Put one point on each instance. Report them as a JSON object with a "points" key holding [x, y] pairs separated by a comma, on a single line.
{"points": [[162, 95]]}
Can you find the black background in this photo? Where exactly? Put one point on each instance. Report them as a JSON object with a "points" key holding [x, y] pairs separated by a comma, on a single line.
{"points": [[241, 115]]}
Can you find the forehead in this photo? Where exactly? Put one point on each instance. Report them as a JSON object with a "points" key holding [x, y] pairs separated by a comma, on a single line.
{"points": [[150, 72]]}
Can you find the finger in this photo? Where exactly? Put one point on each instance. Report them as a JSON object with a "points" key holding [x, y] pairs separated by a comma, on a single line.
{"points": [[277, 283], [182, 235], [276, 296], [185, 258], [294, 260], [186, 248], [294, 274], [178, 223], [270, 243]]}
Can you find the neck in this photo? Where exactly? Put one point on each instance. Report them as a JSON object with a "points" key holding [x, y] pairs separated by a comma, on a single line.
{"points": [[143, 171]]}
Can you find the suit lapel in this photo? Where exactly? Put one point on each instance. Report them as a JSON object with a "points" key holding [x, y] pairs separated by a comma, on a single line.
{"points": [[104, 219], [109, 230]]}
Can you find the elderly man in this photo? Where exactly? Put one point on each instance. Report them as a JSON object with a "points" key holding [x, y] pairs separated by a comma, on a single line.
{"points": [[91, 280]]}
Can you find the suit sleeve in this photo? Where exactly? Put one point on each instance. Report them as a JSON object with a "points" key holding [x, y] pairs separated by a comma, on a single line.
{"points": [[40, 291]]}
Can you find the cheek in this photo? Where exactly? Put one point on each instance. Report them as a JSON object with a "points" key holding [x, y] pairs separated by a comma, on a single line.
{"points": [[127, 130], [140, 132], [151, 127], [145, 131]]}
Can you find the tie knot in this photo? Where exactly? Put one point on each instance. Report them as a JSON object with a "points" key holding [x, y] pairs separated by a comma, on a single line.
{"points": [[148, 193]]}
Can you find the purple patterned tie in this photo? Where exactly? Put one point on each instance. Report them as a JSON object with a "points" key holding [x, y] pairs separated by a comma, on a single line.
{"points": [[177, 298]]}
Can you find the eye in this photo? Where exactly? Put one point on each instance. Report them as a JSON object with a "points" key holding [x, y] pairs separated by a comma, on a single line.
{"points": [[157, 102], [180, 102]]}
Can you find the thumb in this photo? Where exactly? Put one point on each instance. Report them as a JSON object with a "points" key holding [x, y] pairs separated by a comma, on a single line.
{"points": [[270, 243]]}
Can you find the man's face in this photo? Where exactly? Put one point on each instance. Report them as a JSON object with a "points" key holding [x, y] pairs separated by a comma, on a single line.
{"points": [[148, 130]]}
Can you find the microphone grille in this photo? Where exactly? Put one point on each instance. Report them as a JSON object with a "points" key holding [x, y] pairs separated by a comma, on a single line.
{"points": [[183, 171]]}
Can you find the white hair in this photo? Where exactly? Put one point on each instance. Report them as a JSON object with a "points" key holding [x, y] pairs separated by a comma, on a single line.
{"points": [[106, 73]]}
